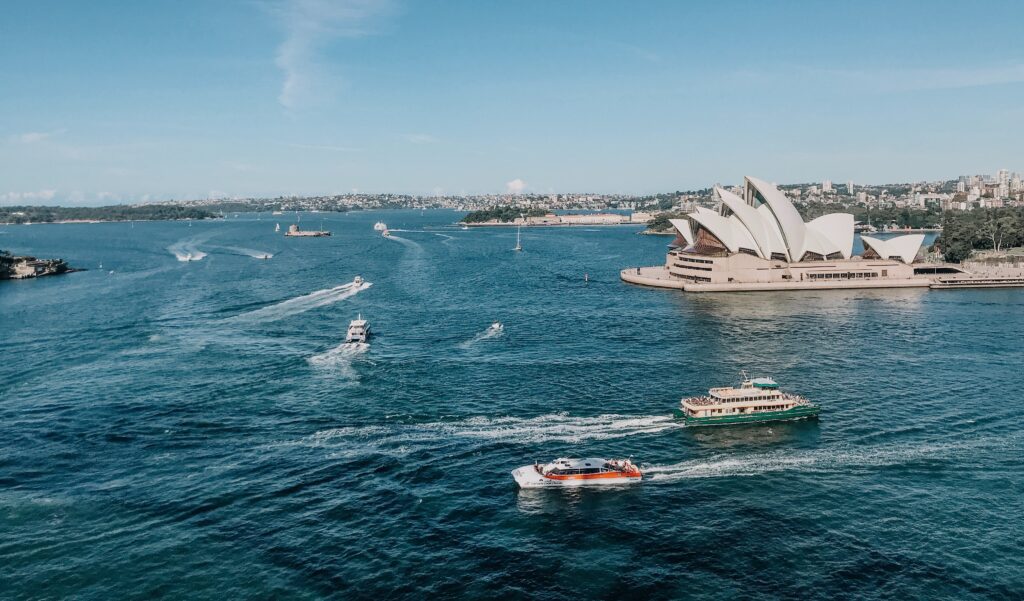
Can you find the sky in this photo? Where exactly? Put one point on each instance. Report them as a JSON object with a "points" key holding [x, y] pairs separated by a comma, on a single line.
{"points": [[104, 102]]}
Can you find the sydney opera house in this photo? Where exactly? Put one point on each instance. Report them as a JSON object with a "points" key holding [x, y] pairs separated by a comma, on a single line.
{"points": [[759, 241]]}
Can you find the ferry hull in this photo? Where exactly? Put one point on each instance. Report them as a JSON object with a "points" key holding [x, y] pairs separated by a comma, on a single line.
{"points": [[753, 418]]}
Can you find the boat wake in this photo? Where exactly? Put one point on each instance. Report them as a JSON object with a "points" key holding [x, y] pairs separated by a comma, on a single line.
{"points": [[488, 334], [339, 359], [248, 252], [402, 240], [187, 250], [813, 461], [306, 302], [558, 427]]}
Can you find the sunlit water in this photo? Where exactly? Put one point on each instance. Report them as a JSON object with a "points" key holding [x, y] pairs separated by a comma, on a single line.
{"points": [[196, 428]]}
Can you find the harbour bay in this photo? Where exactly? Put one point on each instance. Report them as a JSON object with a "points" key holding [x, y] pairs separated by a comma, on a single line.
{"points": [[190, 428]]}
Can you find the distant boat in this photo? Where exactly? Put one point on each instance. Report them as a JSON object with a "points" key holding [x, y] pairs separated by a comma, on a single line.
{"points": [[497, 327], [358, 330], [380, 226], [386, 233], [277, 213], [277, 228], [519, 242]]}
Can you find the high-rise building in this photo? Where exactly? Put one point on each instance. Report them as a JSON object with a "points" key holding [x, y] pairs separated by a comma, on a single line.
{"points": [[826, 186], [1003, 177], [849, 187], [961, 186]]}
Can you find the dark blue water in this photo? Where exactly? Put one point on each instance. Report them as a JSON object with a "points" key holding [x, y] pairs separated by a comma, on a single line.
{"points": [[193, 428]]}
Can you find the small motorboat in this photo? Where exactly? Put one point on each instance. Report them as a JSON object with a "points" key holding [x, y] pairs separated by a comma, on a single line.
{"points": [[358, 281], [386, 233], [497, 327], [358, 331], [577, 472], [380, 226]]}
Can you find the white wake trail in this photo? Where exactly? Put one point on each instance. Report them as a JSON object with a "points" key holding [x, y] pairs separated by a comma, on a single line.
{"points": [[249, 252], [488, 334], [187, 250], [339, 359], [557, 427], [306, 302], [814, 461], [404, 241]]}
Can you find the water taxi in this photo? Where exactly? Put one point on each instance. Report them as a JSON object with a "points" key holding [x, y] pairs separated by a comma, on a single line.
{"points": [[577, 472], [497, 327], [358, 330], [380, 226], [755, 400]]}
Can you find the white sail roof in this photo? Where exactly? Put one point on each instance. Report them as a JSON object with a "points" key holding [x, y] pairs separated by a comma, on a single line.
{"points": [[683, 228], [765, 235], [790, 223], [767, 224], [903, 248]]}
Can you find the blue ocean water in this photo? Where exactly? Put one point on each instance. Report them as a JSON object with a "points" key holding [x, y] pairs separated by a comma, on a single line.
{"points": [[194, 428]]}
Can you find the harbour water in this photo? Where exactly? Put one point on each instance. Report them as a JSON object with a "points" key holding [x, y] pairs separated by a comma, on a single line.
{"points": [[185, 422]]}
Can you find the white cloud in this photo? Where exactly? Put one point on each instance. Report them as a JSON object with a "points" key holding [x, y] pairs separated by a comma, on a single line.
{"points": [[515, 186], [310, 25], [420, 138], [34, 137], [238, 166], [27, 197], [326, 147]]}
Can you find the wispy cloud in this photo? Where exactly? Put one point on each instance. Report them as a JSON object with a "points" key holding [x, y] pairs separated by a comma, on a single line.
{"points": [[325, 147], [515, 186], [889, 79], [419, 138], [27, 197], [310, 26], [33, 137]]}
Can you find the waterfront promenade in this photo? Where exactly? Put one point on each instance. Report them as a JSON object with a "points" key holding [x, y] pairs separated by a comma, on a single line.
{"points": [[659, 277]]}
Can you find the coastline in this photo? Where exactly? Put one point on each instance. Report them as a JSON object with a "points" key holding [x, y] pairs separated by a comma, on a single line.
{"points": [[511, 224]]}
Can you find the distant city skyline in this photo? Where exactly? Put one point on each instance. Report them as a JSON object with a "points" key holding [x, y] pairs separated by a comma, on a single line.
{"points": [[109, 102]]}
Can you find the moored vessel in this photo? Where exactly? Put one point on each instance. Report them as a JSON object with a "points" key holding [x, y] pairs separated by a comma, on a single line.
{"points": [[577, 472], [755, 400], [358, 330]]}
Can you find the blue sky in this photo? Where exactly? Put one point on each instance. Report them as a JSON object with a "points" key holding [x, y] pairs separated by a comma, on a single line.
{"points": [[123, 101]]}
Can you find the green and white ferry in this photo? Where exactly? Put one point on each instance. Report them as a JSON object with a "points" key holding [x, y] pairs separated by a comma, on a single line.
{"points": [[756, 400]]}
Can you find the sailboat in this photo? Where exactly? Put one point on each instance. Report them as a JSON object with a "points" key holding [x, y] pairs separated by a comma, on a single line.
{"points": [[277, 227], [519, 242]]}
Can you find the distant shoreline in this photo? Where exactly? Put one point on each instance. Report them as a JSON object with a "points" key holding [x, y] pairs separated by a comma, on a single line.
{"points": [[73, 221], [511, 224]]}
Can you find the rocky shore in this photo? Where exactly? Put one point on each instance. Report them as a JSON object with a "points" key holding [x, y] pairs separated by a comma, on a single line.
{"points": [[18, 268]]}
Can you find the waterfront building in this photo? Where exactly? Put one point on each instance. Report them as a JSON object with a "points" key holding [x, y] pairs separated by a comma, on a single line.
{"points": [[759, 241]]}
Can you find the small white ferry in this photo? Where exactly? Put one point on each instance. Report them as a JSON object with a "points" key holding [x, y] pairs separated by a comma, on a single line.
{"points": [[380, 226], [358, 330], [755, 400], [577, 472]]}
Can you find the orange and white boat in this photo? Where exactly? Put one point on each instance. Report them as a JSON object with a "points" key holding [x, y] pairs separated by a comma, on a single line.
{"points": [[577, 472]]}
